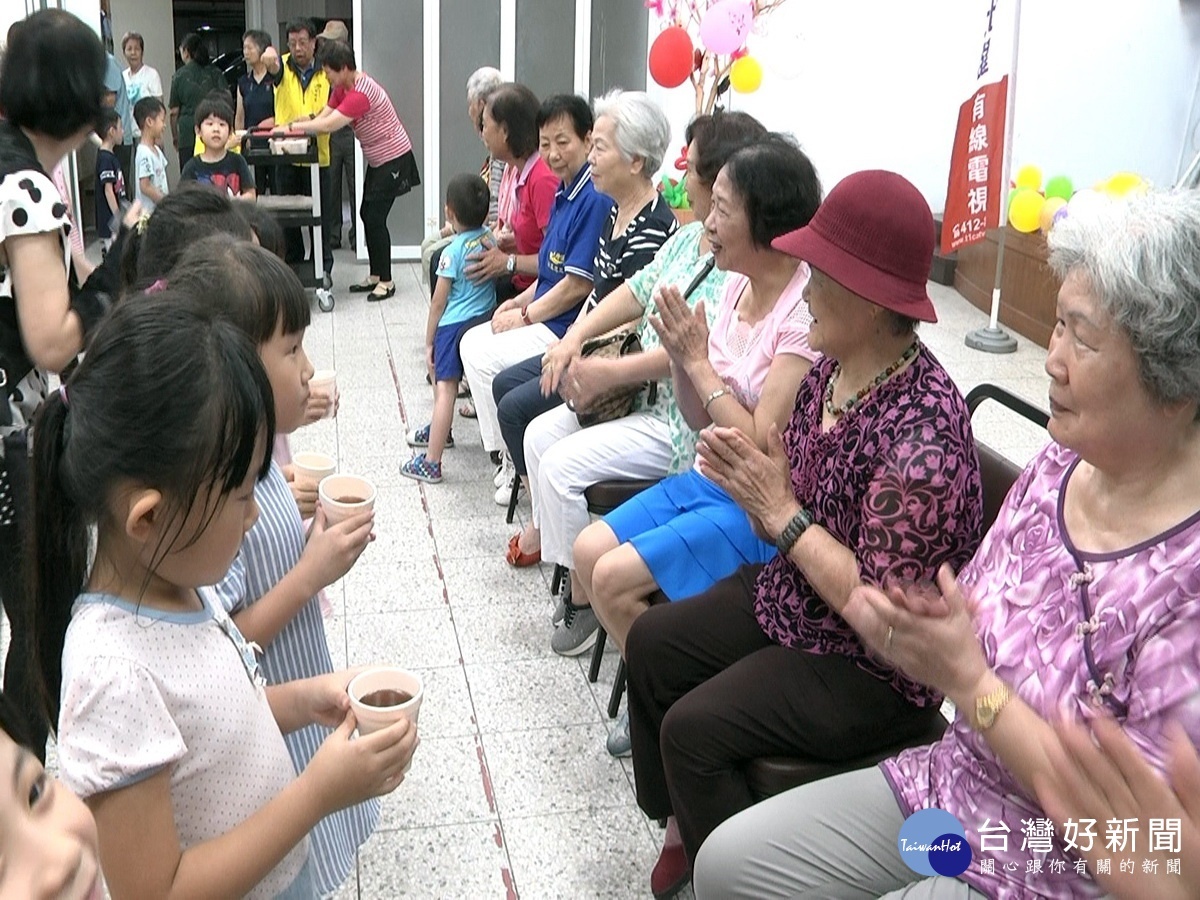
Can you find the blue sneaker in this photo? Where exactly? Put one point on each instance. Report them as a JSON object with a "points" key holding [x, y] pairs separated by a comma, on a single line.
{"points": [[422, 469], [419, 437]]}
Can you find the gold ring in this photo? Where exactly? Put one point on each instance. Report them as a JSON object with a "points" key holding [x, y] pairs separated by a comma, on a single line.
{"points": [[887, 641]]}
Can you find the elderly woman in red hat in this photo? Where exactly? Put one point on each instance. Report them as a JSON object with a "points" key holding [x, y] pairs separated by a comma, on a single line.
{"points": [[875, 480]]}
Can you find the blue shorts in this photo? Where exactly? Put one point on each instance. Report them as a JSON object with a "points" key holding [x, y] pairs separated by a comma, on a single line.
{"points": [[447, 364], [689, 533]]}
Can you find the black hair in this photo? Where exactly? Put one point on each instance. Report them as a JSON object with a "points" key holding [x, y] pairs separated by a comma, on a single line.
{"points": [[215, 104], [109, 119], [192, 212], [12, 722], [165, 397], [719, 138], [52, 75], [265, 227], [777, 184], [133, 36], [468, 197], [515, 107], [245, 284], [298, 25], [337, 55], [571, 106], [261, 39], [196, 48], [146, 108]]}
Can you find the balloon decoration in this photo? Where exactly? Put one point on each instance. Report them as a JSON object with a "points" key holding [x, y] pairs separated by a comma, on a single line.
{"points": [[671, 57], [1029, 177], [1025, 209], [674, 192], [1124, 184], [725, 25], [1059, 186], [746, 75], [1050, 210], [1086, 201]]}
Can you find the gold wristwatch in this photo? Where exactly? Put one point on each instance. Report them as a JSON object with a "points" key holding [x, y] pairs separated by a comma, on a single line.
{"points": [[988, 707]]}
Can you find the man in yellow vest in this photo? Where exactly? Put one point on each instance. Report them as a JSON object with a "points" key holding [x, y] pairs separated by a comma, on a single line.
{"points": [[301, 91]]}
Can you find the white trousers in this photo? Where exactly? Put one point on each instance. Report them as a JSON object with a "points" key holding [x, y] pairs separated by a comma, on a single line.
{"points": [[485, 355], [564, 460]]}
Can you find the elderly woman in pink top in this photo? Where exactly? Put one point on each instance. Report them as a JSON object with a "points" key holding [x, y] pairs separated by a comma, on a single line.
{"points": [[1080, 603], [357, 99]]}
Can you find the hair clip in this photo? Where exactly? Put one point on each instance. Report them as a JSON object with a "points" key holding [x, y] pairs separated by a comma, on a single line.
{"points": [[62, 392], [141, 223], [159, 285]]}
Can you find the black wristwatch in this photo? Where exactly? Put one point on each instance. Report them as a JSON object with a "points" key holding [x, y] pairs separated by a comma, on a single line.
{"points": [[792, 531]]}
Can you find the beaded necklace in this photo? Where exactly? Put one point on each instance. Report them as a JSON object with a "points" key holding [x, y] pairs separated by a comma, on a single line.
{"points": [[838, 411]]}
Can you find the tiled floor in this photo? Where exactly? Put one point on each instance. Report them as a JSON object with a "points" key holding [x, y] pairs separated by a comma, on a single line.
{"points": [[511, 792]]}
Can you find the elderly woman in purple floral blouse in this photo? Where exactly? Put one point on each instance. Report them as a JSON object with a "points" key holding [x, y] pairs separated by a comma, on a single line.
{"points": [[875, 479], [1082, 602]]}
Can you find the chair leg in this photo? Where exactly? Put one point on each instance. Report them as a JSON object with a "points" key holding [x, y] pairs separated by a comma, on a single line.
{"points": [[512, 501], [556, 580], [614, 701], [597, 655]]}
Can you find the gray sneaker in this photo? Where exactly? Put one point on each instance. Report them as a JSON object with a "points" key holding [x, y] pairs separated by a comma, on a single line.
{"points": [[618, 742], [577, 633]]}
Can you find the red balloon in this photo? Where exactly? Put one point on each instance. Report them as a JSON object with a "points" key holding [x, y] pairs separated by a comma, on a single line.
{"points": [[671, 57]]}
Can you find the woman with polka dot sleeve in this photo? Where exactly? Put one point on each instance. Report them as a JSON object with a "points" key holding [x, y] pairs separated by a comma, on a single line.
{"points": [[51, 86]]}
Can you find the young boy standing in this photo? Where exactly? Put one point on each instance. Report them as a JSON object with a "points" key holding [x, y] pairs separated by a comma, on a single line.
{"points": [[457, 305], [110, 180], [216, 166], [150, 164]]}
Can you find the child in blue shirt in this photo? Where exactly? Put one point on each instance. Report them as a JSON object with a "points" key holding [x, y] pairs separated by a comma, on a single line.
{"points": [[458, 305], [110, 181]]}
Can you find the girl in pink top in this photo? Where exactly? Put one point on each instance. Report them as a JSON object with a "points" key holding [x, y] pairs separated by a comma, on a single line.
{"points": [[358, 100]]}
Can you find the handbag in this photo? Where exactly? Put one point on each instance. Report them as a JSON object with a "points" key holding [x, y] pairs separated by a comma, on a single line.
{"points": [[619, 402]]}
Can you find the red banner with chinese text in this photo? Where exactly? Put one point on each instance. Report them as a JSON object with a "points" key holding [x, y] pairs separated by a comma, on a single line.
{"points": [[975, 192]]}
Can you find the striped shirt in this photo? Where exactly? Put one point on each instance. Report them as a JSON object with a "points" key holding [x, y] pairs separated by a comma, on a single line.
{"points": [[269, 551], [620, 256], [375, 122]]}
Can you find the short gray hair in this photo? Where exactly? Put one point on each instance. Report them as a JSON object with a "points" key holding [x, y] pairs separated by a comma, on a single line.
{"points": [[1141, 260], [641, 127], [482, 82]]}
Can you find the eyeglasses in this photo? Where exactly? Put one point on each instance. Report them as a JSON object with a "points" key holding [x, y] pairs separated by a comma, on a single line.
{"points": [[293, 43]]}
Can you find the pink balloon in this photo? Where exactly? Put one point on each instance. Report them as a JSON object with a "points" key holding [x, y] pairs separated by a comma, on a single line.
{"points": [[725, 26]]}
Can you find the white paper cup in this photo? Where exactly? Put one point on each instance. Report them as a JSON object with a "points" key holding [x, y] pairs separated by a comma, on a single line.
{"points": [[312, 468], [324, 382], [342, 496], [385, 678]]}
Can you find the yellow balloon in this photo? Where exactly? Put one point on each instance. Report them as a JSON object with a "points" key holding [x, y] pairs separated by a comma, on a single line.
{"points": [[1029, 177], [1049, 209], [746, 75], [1124, 183], [1025, 209]]}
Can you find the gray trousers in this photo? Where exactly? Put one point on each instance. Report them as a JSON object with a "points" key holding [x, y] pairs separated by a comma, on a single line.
{"points": [[830, 839]]}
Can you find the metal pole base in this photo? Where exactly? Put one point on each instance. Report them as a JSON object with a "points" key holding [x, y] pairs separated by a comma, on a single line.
{"points": [[991, 340]]}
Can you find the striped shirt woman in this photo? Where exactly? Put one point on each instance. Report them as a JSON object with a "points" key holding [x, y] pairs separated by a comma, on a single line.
{"points": [[269, 551]]}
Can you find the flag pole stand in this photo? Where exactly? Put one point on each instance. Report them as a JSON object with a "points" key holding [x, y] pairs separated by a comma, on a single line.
{"points": [[995, 339]]}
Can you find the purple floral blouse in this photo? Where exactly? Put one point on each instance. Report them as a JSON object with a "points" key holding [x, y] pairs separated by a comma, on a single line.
{"points": [[897, 481], [1073, 633]]}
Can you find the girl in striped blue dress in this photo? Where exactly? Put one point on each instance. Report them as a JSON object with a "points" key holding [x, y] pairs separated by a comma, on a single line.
{"points": [[271, 590]]}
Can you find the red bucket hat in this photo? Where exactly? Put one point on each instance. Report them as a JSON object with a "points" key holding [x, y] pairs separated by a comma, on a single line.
{"points": [[874, 236]]}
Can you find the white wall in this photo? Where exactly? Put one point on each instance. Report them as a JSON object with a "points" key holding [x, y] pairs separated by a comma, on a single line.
{"points": [[1103, 85]]}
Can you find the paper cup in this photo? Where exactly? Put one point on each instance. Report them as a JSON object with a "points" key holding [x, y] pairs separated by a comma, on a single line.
{"points": [[324, 382], [312, 468], [385, 678], [342, 496]]}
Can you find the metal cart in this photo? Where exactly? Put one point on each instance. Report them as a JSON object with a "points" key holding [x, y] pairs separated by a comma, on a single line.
{"points": [[280, 148]]}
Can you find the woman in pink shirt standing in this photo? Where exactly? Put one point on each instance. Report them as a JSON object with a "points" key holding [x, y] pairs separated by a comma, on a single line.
{"points": [[359, 100]]}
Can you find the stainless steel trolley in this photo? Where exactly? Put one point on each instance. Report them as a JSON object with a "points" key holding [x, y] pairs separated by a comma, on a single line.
{"points": [[279, 148]]}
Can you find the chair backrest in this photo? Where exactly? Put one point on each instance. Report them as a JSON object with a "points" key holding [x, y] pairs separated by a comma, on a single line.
{"points": [[997, 471]]}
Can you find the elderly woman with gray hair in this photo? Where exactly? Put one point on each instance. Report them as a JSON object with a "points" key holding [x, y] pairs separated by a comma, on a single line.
{"points": [[480, 85], [1081, 603]]}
